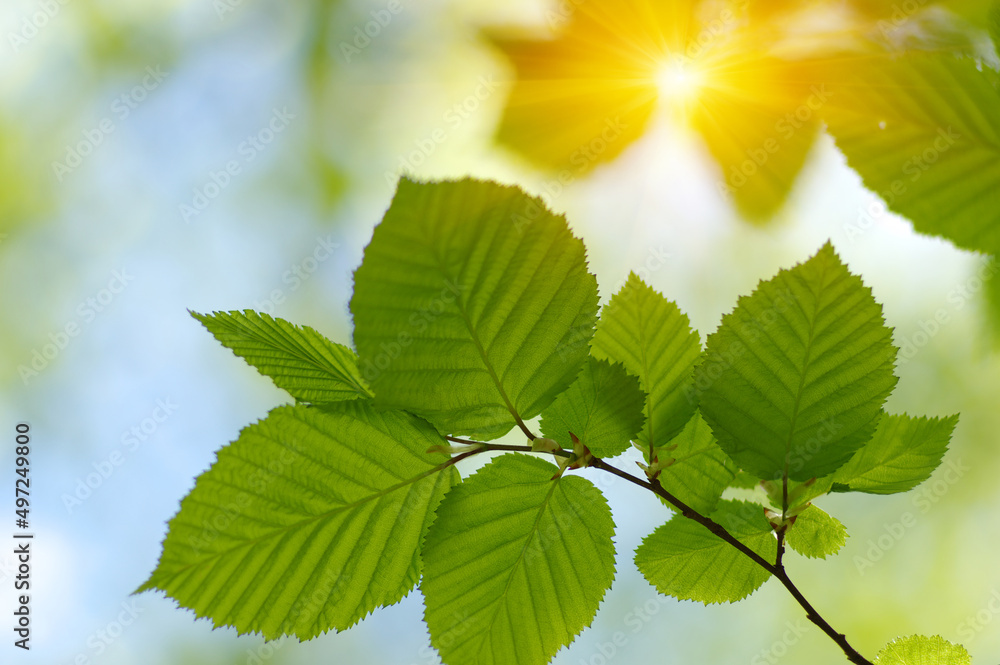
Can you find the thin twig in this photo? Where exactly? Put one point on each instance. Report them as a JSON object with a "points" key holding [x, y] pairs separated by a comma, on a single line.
{"points": [[777, 569]]}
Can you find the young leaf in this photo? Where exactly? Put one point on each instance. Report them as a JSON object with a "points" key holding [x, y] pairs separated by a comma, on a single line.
{"points": [[297, 358], [902, 454], [603, 409], [516, 563], [920, 650], [307, 522], [685, 560], [700, 470], [799, 493], [816, 534], [924, 133], [473, 306], [794, 379], [649, 335]]}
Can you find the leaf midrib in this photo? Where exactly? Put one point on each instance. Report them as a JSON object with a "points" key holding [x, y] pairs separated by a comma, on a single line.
{"points": [[294, 350], [315, 518], [520, 557], [802, 380]]}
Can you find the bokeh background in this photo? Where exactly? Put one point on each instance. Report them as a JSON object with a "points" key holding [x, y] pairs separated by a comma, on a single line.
{"points": [[118, 122]]}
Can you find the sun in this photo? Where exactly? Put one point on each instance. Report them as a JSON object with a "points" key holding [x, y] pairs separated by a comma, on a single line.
{"points": [[678, 82]]}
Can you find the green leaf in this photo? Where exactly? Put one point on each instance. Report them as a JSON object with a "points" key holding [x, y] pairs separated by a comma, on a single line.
{"points": [[794, 379], [297, 358], [799, 494], [991, 295], [307, 522], [748, 119], [603, 408], [516, 563], [816, 534], [994, 25], [685, 560], [920, 650], [700, 470], [649, 335], [902, 454], [473, 306], [745, 481], [924, 133]]}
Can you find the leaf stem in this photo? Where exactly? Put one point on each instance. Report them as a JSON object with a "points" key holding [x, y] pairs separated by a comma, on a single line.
{"points": [[777, 569]]}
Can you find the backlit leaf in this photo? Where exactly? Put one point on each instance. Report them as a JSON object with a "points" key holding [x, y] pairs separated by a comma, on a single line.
{"points": [[793, 381], [816, 534], [473, 306], [297, 358], [920, 650], [653, 340], [902, 454], [603, 409], [923, 130], [685, 560], [517, 563], [309, 521]]}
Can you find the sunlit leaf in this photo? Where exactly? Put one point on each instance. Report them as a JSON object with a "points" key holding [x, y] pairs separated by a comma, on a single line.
{"points": [[581, 98], [306, 523], [297, 358], [902, 454], [920, 650], [699, 471], [473, 306], [816, 534], [760, 128], [793, 381], [603, 409], [649, 335], [517, 563], [923, 130], [685, 560]]}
